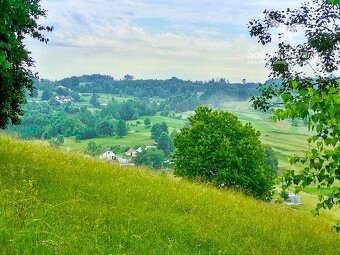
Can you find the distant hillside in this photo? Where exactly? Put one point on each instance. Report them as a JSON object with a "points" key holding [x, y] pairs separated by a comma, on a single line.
{"points": [[96, 83], [57, 203]]}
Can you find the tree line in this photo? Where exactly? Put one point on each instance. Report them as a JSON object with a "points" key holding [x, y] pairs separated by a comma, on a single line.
{"points": [[97, 83]]}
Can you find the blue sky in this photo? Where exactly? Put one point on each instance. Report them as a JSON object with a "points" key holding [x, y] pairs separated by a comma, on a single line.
{"points": [[189, 39]]}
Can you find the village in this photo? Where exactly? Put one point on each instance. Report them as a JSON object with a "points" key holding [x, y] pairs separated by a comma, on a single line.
{"points": [[110, 156]]}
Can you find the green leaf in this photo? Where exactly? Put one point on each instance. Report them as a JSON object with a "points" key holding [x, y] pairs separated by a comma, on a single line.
{"points": [[3, 61], [295, 84]]}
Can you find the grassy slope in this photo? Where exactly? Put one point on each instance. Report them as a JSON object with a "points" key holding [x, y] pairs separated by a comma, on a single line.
{"points": [[53, 202], [138, 135]]}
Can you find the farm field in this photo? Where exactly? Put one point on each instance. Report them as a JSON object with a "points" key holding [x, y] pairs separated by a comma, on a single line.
{"points": [[285, 139], [75, 205], [137, 135]]}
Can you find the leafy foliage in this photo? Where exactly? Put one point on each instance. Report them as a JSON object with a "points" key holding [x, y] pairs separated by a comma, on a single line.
{"points": [[93, 149], [218, 148], [121, 128], [180, 95], [147, 122], [165, 143], [18, 21], [157, 129], [151, 157], [313, 97]]}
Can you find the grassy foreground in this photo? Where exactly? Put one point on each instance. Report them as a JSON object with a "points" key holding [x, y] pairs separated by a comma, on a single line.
{"points": [[53, 202]]}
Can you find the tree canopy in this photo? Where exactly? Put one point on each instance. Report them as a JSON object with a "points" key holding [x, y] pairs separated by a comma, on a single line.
{"points": [[308, 88], [218, 148], [18, 21]]}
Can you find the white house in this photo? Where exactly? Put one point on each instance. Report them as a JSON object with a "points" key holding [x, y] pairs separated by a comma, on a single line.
{"points": [[109, 156], [139, 150]]}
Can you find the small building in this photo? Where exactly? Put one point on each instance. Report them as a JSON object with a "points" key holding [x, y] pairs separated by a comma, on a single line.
{"points": [[109, 156], [123, 161], [131, 152], [64, 99], [139, 150], [294, 199]]}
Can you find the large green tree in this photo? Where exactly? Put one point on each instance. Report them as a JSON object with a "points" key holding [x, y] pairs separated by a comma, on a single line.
{"points": [[218, 148], [308, 88], [19, 20]]}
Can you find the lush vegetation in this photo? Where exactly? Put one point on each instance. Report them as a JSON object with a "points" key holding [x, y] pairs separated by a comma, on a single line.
{"points": [[150, 88], [313, 97], [152, 157], [19, 20], [53, 202], [218, 148]]}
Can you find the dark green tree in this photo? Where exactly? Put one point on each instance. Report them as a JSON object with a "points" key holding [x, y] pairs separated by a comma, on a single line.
{"points": [[105, 128], [121, 128], [34, 93], [157, 129], [151, 157], [94, 100], [165, 144], [46, 95], [218, 148], [147, 122], [312, 95], [19, 20], [128, 77]]}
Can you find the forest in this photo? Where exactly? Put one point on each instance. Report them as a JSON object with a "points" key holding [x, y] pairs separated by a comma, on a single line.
{"points": [[74, 107]]}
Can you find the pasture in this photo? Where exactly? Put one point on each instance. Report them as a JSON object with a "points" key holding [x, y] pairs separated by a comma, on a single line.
{"points": [[54, 202]]}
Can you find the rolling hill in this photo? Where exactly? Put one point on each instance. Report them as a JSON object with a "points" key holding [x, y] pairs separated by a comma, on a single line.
{"points": [[52, 202]]}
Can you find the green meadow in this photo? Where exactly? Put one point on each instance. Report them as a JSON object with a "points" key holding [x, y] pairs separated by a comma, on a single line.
{"points": [[137, 135], [285, 139], [53, 202]]}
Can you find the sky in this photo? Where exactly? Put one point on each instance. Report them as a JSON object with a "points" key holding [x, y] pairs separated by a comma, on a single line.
{"points": [[154, 39]]}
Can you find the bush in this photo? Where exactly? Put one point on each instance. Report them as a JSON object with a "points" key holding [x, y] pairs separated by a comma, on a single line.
{"points": [[93, 149], [152, 157], [218, 148]]}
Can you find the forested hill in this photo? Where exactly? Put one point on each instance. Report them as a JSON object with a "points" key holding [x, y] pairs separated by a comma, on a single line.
{"points": [[97, 83]]}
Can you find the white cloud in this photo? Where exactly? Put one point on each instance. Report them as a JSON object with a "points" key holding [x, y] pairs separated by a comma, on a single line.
{"points": [[103, 36]]}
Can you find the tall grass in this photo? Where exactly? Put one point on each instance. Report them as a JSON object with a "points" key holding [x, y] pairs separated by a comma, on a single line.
{"points": [[57, 203]]}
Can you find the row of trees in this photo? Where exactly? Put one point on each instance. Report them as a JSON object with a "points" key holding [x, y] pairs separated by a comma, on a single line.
{"points": [[149, 88], [45, 121]]}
